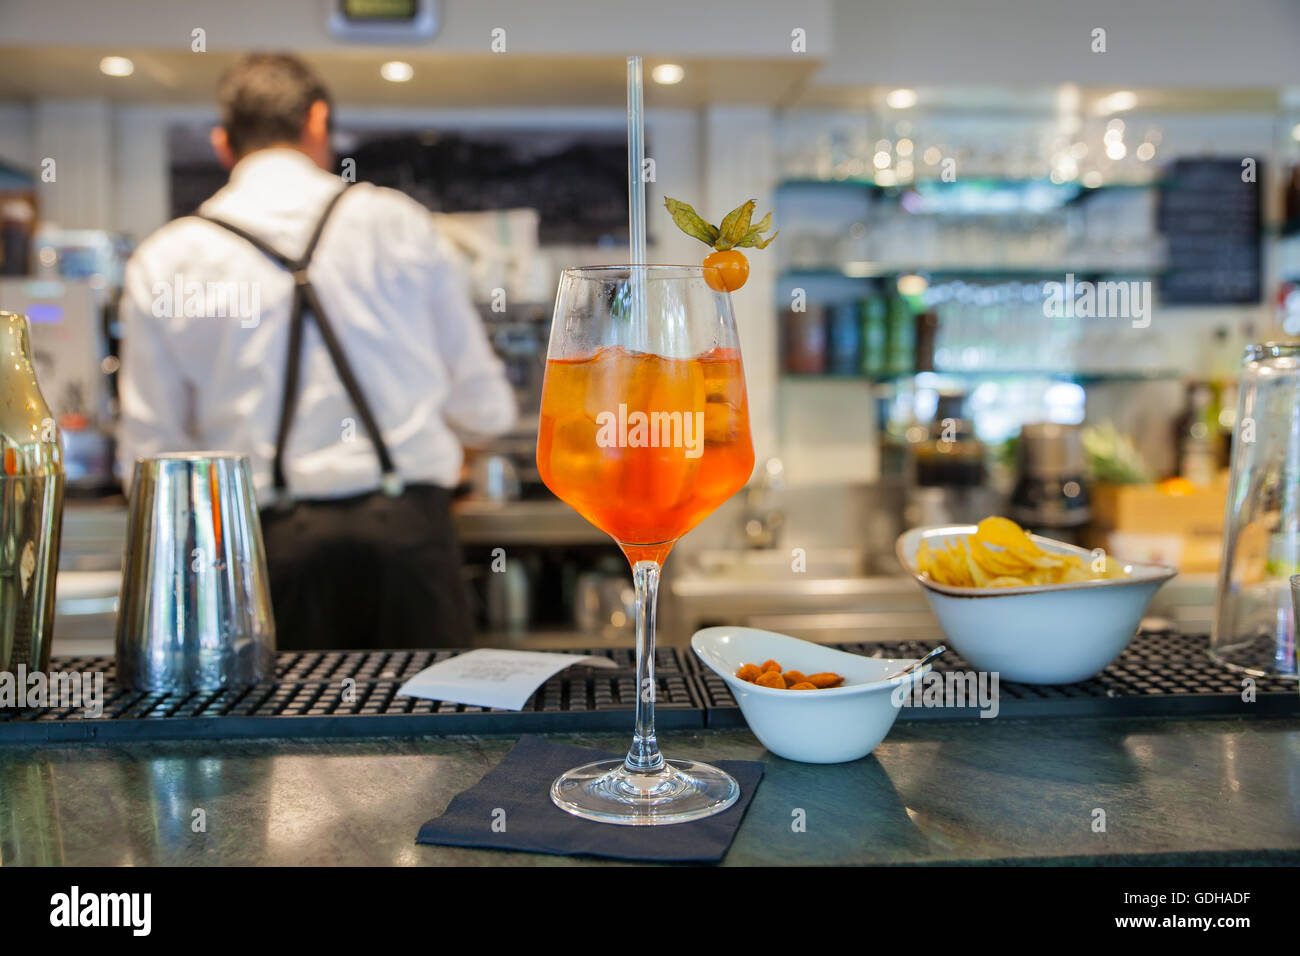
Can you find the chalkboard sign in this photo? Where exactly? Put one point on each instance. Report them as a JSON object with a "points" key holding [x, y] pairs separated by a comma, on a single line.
{"points": [[575, 178], [1211, 221]]}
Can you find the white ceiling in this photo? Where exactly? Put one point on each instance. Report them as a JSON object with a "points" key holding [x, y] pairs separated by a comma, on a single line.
{"points": [[440, 79]]}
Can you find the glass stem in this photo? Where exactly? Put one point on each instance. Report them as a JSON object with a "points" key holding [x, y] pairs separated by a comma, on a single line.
{"points": [[644, 756]]}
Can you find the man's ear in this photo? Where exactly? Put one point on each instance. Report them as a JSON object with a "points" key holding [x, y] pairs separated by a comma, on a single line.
{"points": [[221, 146], [316, 134]]}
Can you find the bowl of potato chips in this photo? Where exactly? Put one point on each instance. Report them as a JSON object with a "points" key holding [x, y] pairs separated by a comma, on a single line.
{"points": [[1034, 610]]}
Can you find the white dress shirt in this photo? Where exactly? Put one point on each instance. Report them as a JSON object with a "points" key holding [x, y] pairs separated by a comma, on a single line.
{"points": [[206, 328]]}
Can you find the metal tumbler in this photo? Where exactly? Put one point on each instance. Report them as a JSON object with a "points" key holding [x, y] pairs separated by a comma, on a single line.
{"points": [[31, 505], [195, 605]]}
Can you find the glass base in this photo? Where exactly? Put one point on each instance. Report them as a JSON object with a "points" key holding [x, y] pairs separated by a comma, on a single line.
{"points": [[607, 792], [1255, 659]]}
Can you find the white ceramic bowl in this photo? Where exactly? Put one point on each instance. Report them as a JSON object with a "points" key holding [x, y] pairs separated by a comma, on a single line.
{"points": [[813, 726], [1046, 634]]}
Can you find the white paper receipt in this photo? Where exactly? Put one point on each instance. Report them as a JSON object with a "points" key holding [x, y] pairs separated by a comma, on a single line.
{"points": [[493, 678]]}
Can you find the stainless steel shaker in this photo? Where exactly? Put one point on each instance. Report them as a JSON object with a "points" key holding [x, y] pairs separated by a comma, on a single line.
{"points": [[195, 604], [31, 505]]}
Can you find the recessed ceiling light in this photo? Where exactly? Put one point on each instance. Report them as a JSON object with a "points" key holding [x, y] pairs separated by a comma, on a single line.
{"points": [[397, 71], [116, 66], [901, 99], [667, 74]]}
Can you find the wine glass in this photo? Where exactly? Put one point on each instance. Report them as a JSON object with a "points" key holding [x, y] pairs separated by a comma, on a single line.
{"points": [[644, 431]]}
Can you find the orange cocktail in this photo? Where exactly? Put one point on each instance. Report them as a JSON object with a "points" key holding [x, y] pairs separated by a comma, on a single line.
{"points": [[645, 447]]}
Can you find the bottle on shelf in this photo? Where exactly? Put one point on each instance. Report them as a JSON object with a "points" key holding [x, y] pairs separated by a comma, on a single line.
{"points": [[874, 312], [927, 333], [901, 334], [1197, 436], [804, 350], [844, 339]]}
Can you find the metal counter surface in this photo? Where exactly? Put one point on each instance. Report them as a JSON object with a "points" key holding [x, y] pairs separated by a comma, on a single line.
{"points": [[1173, 791]]}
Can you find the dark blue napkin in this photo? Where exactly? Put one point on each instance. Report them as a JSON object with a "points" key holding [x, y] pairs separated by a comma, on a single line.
{"points": [[521, 786]]}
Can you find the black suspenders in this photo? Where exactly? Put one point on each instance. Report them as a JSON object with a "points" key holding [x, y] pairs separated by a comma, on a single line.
{"points": [[305, 301]]}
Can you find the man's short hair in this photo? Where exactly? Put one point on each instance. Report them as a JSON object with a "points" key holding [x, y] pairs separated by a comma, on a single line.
{"points": [[265, 99]]}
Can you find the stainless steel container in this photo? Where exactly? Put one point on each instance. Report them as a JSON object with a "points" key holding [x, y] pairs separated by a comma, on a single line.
{"points": [[31, 505], [195, 604]]}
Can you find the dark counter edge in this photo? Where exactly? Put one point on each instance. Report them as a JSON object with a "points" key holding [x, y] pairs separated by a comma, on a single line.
{"points": [[379, 726]]}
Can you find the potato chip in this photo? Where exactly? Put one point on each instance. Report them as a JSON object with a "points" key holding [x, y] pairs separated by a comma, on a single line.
{"points": [[1004, 532], [1001, 554]]}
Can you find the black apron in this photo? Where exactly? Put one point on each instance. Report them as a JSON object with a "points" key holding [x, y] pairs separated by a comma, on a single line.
{"points": [[376, 570]]}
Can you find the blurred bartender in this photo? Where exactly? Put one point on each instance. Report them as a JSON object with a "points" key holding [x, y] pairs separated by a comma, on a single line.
{"points": [[347, 362]]}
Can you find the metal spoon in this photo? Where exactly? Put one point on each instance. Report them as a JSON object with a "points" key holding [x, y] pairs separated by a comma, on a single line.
{"points": [[915, 664]]}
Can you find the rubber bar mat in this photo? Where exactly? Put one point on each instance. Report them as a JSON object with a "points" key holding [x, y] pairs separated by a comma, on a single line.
{"points": [[1161, 673], [314, 667], [354, 694]]}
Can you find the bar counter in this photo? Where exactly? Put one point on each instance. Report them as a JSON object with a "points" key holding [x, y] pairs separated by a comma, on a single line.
{"points": [[1173, 791]]}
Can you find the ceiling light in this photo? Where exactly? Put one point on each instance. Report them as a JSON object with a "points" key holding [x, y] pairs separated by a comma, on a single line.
{"points": [[1295, 132], [1118, 102], [881, 160], [932, 156], [116, 66], [1145, 152], [904, 147], [1092, 179], [397, 71], [1116, 150], [901, 99], [667, 74]]}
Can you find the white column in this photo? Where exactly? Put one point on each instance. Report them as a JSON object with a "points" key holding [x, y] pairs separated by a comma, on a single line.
{"points": [[77, 135], [141, 197], [16, 146], [740, 164]]}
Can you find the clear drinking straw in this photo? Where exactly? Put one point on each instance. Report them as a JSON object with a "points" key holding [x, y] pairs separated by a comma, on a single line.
{"points": [[636, 190]]}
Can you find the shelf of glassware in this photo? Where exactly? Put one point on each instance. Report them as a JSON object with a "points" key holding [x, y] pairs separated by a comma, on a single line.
{"points": [[986, 183], [970, 272], [940, 378]]}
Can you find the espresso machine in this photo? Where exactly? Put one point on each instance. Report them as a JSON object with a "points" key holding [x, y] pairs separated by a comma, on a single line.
{"points": [[71, 356]]}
